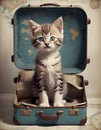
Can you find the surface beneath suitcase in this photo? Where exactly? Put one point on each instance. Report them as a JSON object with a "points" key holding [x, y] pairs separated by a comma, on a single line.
{"points": [[74, 49]]}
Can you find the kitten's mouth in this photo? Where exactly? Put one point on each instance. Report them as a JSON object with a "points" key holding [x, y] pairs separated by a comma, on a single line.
{"points": [[47, 47]]}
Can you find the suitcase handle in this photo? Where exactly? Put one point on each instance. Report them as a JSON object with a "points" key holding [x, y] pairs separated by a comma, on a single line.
{"points": [[49, 4], [50, 117]]}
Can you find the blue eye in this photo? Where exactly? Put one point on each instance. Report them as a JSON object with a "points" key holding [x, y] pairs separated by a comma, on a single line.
{"points": [[41, 39], [52, 38]]}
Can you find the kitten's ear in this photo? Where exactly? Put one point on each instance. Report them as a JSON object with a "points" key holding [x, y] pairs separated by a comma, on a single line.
{"points": [[33, 25], [59, 24]]}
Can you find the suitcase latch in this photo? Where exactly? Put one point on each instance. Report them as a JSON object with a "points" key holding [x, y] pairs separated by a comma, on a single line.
{"points": [[26, 112], [74, 112]]}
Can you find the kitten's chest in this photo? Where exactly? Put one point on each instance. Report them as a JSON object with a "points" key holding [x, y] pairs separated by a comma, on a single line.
{"points": [[48, 62], [50, 74], [51, 65]]}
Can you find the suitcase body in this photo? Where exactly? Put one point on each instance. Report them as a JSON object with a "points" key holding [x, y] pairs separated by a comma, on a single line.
{"points": [[74, 60], [73, 113]]}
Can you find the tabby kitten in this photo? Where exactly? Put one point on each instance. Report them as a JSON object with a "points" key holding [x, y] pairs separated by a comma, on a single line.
{"points": [[48, 77]]}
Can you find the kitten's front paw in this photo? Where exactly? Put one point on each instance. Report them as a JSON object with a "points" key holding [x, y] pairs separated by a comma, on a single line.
{"points": [[44, 104], [62, 103], [58, 104]]}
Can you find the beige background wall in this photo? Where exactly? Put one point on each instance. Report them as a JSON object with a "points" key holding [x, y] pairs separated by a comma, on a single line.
{"points": [[93, 71]]}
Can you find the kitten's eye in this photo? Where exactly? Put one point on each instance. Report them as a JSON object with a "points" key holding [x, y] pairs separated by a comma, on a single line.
{"points": [[41, 39], [52, 38]]}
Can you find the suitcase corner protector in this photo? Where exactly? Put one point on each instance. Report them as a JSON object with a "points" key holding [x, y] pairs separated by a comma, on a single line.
{"points": [[83, 121], [16, 122]]}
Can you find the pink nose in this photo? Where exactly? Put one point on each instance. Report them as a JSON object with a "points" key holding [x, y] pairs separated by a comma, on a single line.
{"points": [[47, 43]]}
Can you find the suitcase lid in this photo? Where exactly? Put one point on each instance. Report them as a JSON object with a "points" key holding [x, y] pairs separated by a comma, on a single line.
{"points": [[74, 49]]}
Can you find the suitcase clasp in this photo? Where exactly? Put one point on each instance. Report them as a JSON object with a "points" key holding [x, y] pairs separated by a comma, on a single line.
{"points": [[74, 112], [26, 112]]}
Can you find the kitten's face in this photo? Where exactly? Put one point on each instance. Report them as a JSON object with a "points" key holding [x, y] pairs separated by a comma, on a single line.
{"points": [[47, 37]]}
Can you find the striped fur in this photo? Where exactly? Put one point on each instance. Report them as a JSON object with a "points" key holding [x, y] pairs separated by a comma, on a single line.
{"points": [[48, 77], [46, 28]]}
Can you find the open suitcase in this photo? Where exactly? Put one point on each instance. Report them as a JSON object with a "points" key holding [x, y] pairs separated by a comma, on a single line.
{"points": [[74, 60]]}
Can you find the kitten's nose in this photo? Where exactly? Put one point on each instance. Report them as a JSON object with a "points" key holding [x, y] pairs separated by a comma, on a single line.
{"points": [[47, 43]]}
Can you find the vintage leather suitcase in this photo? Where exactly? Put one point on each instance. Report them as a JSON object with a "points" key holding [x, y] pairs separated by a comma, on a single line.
{"points": [[74, 60]]}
